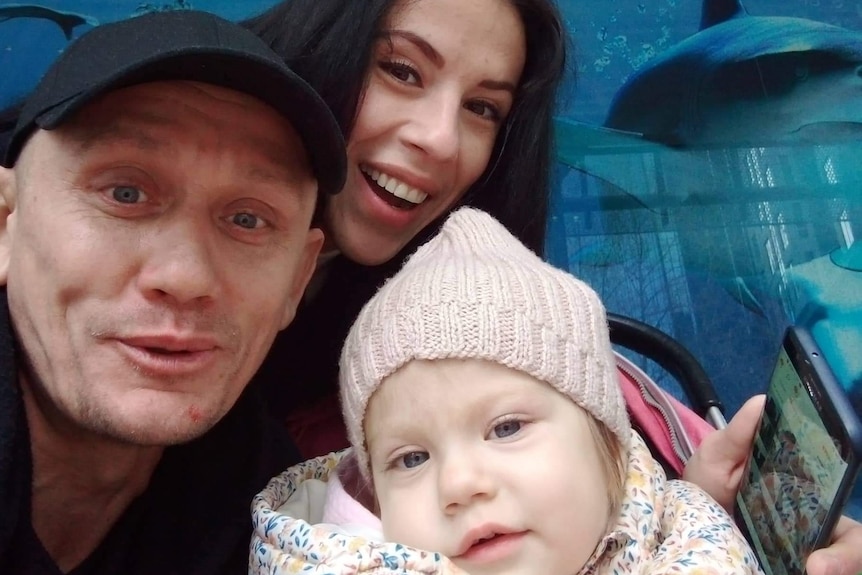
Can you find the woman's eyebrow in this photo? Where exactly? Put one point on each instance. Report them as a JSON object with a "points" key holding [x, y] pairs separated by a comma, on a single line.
{"points": [[498, 85], [428, 50], [420, 43]]}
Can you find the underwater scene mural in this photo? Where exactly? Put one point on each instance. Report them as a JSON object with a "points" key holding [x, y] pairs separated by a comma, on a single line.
{"points": [[709, 173], [718, 193]]}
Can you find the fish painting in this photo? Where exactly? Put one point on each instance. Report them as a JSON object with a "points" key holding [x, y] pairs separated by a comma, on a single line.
{"points": [[673, 141], [67, 21], [777, 79], [745, 141]]}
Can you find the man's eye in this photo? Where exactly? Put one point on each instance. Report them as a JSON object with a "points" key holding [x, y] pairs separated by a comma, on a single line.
{"points": [[507, 428], [127, 194], [246, 220], [414, 459]]}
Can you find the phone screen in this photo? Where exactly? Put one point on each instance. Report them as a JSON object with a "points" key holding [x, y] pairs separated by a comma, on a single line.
{"points": [[793, 476]]}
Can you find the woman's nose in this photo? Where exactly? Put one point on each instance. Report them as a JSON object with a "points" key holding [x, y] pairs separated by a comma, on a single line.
{"points": [[434, 126]]}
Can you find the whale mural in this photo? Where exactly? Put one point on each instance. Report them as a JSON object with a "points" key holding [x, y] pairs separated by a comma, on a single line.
{"points": [[743, 141]]}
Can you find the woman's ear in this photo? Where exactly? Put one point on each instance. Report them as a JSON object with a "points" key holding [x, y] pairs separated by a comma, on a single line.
{"points": [[8, 193]]}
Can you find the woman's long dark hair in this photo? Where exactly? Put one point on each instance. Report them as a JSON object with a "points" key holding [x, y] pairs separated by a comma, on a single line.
{"points": [[330, 42]]}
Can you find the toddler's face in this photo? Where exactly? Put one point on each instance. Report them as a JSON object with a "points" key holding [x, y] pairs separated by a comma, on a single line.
{"points": [[487, 465]]}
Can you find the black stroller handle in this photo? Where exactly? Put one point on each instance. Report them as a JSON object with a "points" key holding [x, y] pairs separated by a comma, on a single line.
{"points": [[672, 356]]}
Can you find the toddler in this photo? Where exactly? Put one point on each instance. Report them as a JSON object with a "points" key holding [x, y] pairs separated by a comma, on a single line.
{"points": [[489, 436]]}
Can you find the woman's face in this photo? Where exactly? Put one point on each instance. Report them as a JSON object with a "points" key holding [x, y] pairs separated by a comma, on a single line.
{"points": [[440, 86]]}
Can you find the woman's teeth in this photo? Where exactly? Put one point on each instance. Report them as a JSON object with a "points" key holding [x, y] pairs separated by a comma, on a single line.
{"points": [[395, 187]]}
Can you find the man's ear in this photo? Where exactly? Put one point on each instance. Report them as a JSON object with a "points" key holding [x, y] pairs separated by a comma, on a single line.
{"points": [[7, 207], [304, 270]]}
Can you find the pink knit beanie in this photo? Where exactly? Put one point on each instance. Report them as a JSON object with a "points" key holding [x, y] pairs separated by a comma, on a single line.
{"points": [[474, 291]]}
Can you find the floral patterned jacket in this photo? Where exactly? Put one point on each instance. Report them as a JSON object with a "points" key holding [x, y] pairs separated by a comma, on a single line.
{"points": [[664, 527]]}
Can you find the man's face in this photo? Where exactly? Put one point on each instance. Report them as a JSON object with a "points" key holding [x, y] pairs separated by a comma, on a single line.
{"points": [[154, 246]]}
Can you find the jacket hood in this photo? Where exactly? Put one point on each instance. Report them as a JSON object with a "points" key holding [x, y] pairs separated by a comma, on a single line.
{"points": [[283, 544]]}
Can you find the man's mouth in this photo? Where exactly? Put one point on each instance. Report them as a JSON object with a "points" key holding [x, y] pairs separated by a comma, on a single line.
{"points": [[169, 355], [167, 352], [392, 190], [171, 344]]}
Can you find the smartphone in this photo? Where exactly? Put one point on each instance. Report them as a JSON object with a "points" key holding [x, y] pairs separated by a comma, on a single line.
{"points": [[804, 461]]}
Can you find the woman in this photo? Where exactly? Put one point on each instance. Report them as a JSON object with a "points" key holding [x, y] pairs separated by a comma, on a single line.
{"points": [[452, 102]]}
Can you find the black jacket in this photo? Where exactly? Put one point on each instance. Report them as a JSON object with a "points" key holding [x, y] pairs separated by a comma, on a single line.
{"points": [[302, 366], [194, 516]]}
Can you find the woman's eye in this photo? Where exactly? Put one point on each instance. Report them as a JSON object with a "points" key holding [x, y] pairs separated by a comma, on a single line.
{"points": [[414, 459], [485, 110], [507, 428], [246, 220], [127, 194], [401, 71]]}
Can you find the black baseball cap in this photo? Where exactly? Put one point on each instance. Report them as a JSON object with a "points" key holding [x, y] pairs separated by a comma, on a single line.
{"points": [[182, 45]]}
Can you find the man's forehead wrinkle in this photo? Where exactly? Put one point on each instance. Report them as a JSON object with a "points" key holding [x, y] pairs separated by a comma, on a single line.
{"points": [[276, 174], [90, 131], [133, 127], [278, 162]]}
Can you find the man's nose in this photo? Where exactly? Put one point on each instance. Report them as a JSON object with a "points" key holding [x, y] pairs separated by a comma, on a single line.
{"points": [[464, 477], [435, 126], [180, 262]]}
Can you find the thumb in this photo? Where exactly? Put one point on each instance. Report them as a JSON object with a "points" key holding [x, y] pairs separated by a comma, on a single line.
{"points": [[825, 562], [842, 557], [719, 461], [733, 443]]}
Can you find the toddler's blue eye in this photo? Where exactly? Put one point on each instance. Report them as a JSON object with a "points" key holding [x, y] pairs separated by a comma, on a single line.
{"points": [[414, 459], [507, 428], [126, 194]]}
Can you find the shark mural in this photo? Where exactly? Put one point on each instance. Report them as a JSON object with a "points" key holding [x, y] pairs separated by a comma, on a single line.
{"points": [[67, 21], [744, 141], [778, 79]]}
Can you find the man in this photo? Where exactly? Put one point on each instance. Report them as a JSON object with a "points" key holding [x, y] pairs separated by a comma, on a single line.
{"points": [[156, 200]]}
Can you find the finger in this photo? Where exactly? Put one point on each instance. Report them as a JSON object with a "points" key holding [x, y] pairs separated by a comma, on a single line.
{"points": [[844, 554], [719, 461], [733, 444]]}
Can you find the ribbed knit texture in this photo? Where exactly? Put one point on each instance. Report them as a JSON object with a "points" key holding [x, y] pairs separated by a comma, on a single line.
{"points": [[474, 291]]}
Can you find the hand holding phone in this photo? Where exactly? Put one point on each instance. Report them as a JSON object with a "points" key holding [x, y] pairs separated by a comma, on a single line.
{"points": [[804, 461]]}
